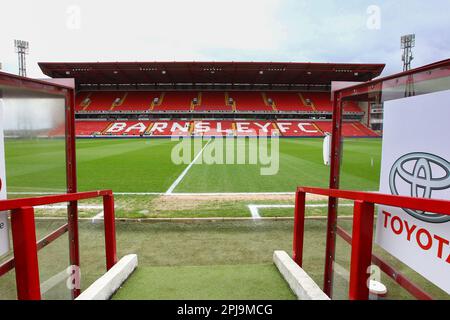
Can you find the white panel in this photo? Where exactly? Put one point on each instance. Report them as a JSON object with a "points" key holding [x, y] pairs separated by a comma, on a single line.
{"points": [[4, 233], [415, 162]]}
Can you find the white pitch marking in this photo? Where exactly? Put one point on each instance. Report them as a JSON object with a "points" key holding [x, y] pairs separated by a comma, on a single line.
{"points": [[232, 193], [139, 193], [98, 216], [181, 176], [341, 271], [172, 194], [202, 193], [87, 207], [254, 208], [34, 193], [54, 281]]}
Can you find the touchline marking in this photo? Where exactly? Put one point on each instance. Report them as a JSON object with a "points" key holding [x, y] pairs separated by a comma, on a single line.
{"points": [[171, 194], [86, 207], [341, 271], [231, 193], [98, 216], [181, 176], [35, 193], [254, 208]]}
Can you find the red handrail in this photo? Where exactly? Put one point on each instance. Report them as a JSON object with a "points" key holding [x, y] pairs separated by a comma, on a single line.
{"points": [[11, 204], [25, 259], [429, 205], [362, 234]]}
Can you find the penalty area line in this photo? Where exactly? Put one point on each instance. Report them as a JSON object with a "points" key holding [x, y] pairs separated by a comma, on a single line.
{"points": [[181, 176]]}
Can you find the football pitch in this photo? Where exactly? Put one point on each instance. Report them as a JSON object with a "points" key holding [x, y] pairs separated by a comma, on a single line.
{"points": [[184, 260], [146, 166], [149, 183]]}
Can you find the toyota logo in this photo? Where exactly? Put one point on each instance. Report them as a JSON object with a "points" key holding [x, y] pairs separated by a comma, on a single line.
{"points": [[422, 180]]}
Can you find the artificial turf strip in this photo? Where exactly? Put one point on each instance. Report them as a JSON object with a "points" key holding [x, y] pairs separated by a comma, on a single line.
{"points": [[201, 244], [240, 282]]}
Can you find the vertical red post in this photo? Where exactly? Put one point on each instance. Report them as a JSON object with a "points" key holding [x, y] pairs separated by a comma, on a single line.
{"points": [[361, 250], [110, 231], [299, 227], [71, 174], [25, 254], [74, 246], [333, 202]]}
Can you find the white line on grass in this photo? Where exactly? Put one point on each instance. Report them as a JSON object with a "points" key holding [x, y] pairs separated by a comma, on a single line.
{"points": [[171, 194], [98, 216], [181, 176], [254, 208], [232, 193], [35, 193], [87, 207]]}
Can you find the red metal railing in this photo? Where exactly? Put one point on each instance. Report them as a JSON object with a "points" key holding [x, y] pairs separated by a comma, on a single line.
{"points": [[362, 235], [371, 91], [25, 260]]}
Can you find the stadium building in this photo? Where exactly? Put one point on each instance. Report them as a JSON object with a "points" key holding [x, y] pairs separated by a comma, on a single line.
{"points": [[161, 99], [214, 229]]}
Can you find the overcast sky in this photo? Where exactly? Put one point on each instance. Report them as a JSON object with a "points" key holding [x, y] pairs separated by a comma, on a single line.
{"points": [[225, 30]]}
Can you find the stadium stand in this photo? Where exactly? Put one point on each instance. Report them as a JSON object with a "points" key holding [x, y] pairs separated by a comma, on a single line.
{"points": [[213, 128], [127, 128], [137, 100], [284, 128], [169, 128], [89, 128], [349, 129], [162, 99], [351, 106], [176, 101], [363, 130], [59, 131], [249, 101], [82, 100], [101, 101], [319, 101], [255, 128], [298, 129], [287, 101], [212, 101], [208, 101]]}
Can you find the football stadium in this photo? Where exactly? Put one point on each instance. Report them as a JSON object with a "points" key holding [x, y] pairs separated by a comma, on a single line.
{"points": [[225, 180]]}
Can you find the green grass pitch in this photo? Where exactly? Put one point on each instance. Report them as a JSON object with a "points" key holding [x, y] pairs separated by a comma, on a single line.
{"points": [[201, 252], [239, 251], [145, 165]]}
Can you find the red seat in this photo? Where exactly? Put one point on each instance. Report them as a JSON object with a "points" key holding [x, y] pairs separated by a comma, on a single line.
{"points": [[102, 100], [138, 100], [249, 101], [212, 101], [88, 128], [290, 128], [176, 101], [321, 100], [288, 101], [297, 128]]}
